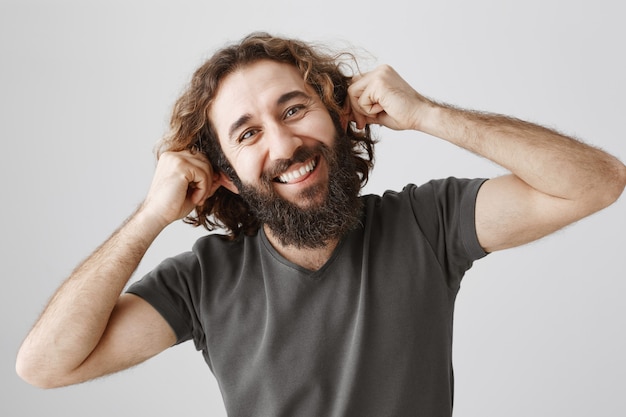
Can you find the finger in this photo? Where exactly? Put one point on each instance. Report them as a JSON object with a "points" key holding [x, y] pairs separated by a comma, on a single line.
{"points": [[216, 180], [358, 119], [364, 98], [356, 77], [357, 113], [198, 195], [199, 179], [369, 106], [355, 91]]}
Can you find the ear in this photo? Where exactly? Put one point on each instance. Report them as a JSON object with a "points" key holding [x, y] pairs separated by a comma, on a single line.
{"points": [[222, 180]]}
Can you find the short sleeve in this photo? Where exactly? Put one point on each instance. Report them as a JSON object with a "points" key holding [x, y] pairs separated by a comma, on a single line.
{"points": [[168, 289], [445, 212]]}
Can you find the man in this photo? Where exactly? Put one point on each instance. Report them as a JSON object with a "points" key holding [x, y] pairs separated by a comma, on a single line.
{"points": [[317, 301]]}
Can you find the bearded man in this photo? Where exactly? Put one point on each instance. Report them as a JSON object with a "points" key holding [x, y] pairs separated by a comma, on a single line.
{"points": [[315, 300]]}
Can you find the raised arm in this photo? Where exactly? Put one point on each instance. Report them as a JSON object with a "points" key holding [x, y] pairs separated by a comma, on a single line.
{"points": [[88, 329], [555, 180]]}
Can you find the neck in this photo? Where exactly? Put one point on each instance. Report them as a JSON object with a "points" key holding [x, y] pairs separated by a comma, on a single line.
{"points": [[309, 258]]}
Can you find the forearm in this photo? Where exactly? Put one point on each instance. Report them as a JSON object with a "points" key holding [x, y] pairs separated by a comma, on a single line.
{"points": [[77, 315], [556, 180], [549, 162]]}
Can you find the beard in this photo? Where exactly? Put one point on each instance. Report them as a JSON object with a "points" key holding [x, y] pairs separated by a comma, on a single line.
{"points": [[331, 210]]}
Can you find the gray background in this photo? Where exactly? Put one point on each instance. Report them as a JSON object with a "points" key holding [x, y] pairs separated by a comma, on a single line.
{"points": [[85, 92]]}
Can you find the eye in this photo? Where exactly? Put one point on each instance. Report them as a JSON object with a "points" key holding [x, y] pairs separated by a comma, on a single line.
{"points": [[292, 111], [248, 134]]}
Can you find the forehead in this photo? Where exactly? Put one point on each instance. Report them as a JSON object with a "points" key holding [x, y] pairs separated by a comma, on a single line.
{"points": [[253, 88]]}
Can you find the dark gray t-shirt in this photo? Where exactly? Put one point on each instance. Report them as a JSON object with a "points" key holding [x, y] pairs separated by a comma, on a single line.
{"points": [[369, 334]]}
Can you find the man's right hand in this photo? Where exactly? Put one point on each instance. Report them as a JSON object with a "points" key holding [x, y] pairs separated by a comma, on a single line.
{"points": [[182, 181], [88, 329]]}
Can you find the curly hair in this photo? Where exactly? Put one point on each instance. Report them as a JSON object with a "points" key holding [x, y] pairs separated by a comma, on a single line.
{"points": [[191, 129]]}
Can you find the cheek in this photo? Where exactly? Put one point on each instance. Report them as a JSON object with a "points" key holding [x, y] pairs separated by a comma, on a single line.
{"points": [[331, 128], [322, 127], [248, 165]]}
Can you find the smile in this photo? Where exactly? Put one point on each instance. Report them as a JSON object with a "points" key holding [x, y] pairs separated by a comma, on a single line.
{"points": [[295, 174]]}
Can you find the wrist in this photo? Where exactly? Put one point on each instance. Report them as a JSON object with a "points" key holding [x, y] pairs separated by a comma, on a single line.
{"points": [[148, 222], [428, 118]]}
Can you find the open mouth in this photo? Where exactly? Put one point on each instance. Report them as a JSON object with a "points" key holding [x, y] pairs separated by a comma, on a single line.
{"points": [[294, 175]]}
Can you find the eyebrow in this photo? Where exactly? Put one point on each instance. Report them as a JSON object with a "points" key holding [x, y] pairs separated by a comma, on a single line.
{"points": [[238, 123], [291, 95], [285, 98]]}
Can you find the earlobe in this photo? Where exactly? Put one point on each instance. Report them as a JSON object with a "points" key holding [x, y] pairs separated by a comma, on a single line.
{"points": [[228, 183], [219, 179]]}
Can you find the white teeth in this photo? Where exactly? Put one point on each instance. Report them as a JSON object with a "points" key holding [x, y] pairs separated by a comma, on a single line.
{"points": [[297, 173]]}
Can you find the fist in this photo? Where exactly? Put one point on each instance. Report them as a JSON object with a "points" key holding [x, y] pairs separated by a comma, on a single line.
{"points": [[382, 97], [182, 181]]}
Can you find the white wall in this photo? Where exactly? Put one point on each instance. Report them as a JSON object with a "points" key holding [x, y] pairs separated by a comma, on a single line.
{"points": [[85, 92]]}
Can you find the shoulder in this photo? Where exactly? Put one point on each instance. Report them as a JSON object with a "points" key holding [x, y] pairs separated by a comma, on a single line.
{"points": [[219, 243], [214, 250], [219, 255], [441, 210], [432, 193]]}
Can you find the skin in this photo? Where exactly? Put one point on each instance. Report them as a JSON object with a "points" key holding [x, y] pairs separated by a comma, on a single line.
{"points": [[88, 329], [554, 181], [281, 113]]}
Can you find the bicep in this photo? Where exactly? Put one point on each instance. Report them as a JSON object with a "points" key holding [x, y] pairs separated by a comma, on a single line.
{"points": [[511, 213], [135, 333]]}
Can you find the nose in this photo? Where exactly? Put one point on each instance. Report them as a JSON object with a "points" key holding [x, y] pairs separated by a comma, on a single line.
{"points": [[282, 142]]}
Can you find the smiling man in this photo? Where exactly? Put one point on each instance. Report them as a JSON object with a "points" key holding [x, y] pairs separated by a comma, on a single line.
{"points": [[290, 162], [315, 301]]}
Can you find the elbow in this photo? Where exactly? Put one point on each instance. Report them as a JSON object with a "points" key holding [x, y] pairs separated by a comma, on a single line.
{"points": [[615, 183], [35, 374], [30, 375], [606, 190], [36, 380], [26, 373]]}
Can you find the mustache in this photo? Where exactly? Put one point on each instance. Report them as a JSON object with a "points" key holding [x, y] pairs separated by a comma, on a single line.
{"points": [[301, 154]]}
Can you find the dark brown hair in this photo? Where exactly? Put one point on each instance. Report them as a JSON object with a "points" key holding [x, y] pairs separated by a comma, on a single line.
{"points": [[191, 129]]}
